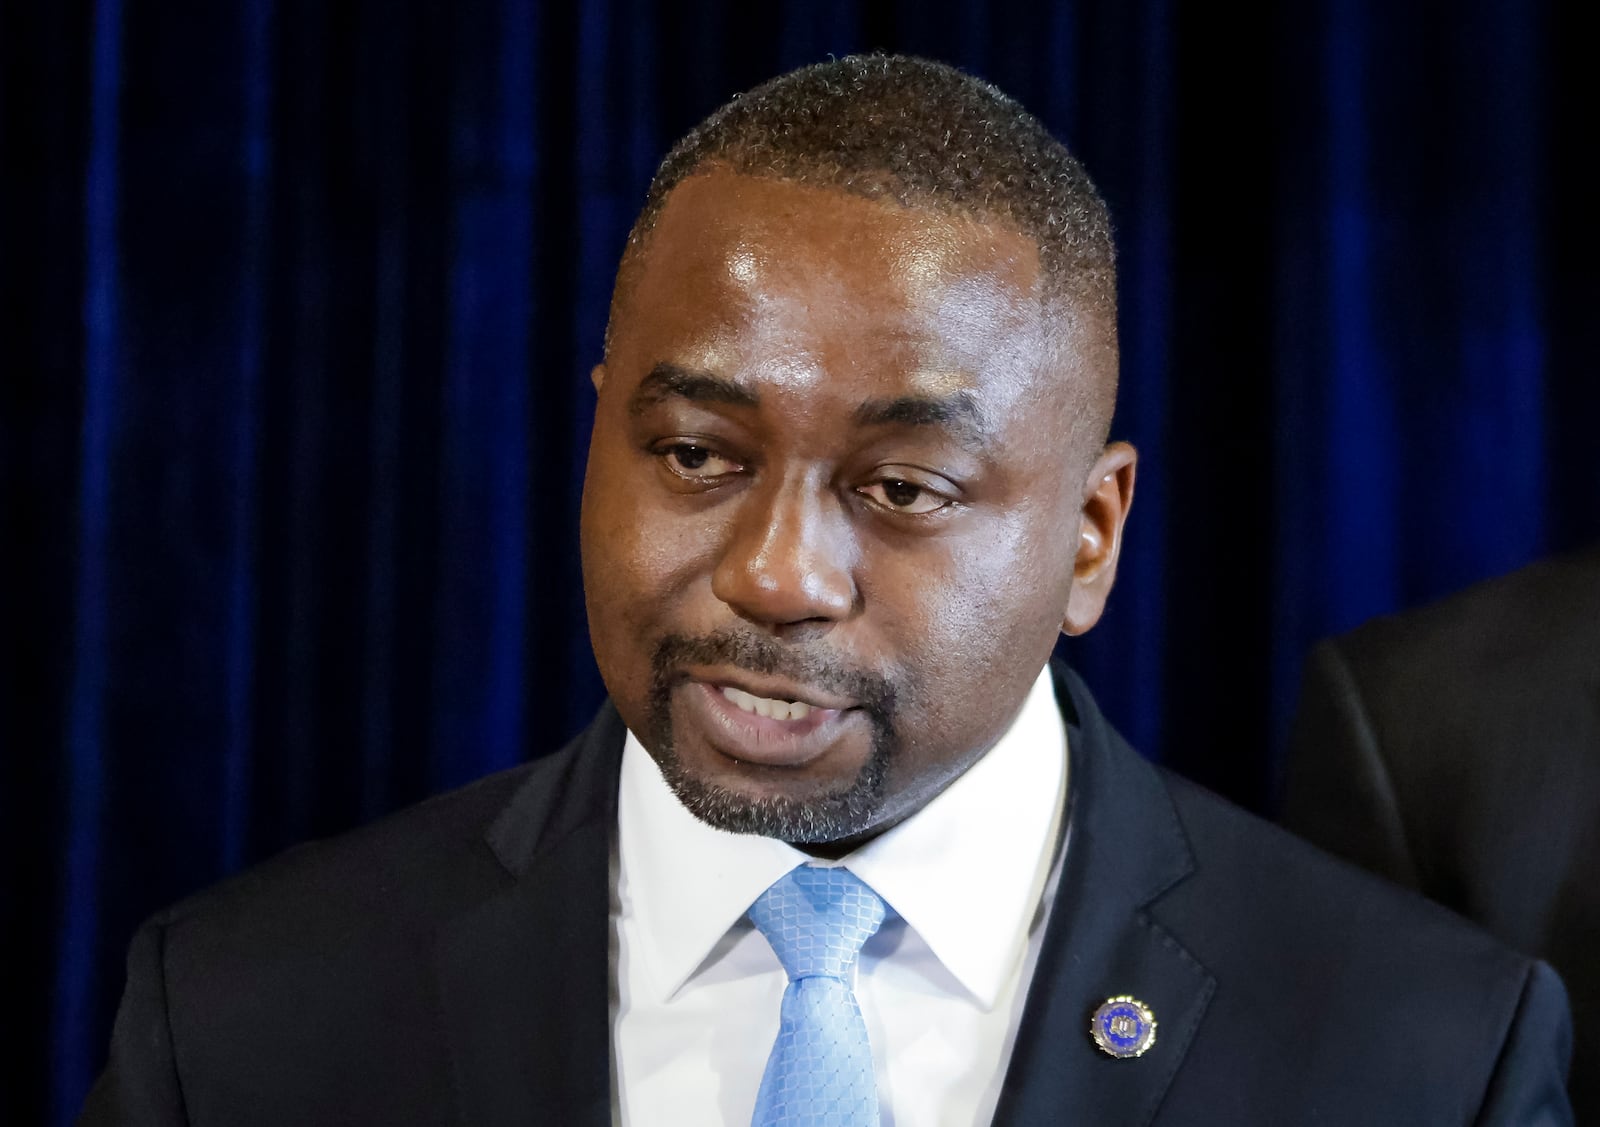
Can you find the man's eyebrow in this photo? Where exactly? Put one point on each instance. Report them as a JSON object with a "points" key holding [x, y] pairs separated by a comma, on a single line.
{"points": [[957, 413], [667, 381]]}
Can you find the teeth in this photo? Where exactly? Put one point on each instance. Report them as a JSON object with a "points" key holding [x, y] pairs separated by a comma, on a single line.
{"points": [[766, 706]]}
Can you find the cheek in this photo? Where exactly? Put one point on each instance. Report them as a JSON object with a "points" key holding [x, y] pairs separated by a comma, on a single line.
{"points": [[1002, 577], [622, 565], [976, 624], [641, 553]]}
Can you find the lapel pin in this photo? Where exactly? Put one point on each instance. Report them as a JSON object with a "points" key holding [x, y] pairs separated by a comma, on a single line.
{"points": [[1123, 1027]]}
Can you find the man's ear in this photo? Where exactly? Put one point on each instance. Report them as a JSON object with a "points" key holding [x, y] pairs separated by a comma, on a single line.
{"points": [[597, 376], [1107, 497]]}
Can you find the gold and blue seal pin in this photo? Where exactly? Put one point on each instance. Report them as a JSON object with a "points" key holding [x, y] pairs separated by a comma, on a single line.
{"points": [[1123, 1027]]}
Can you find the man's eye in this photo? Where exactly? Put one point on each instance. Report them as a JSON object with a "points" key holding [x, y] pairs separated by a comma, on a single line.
{"points": [[688, 460], [904, 496]]}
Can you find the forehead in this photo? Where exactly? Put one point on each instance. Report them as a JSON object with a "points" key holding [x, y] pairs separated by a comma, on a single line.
{"points": [[770, 280]]}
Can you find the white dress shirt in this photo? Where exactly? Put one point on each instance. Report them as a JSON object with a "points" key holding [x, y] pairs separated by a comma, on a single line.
{"points": [[696, 989]]}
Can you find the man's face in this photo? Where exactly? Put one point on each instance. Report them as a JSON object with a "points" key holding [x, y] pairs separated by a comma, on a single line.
{"points": [[832, 516]]}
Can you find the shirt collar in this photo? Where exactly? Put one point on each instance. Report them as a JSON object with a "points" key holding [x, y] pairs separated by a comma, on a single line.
{"points": [[971, 896]]}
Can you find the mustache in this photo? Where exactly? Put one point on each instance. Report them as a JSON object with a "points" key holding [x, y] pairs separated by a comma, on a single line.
{"points": [[759, 653]]}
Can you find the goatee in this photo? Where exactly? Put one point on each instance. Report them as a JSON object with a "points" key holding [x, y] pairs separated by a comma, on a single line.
{"points": [[824, 817]]}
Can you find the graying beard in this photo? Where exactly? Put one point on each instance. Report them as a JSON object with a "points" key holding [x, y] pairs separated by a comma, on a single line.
{"points": [[828, 817]]}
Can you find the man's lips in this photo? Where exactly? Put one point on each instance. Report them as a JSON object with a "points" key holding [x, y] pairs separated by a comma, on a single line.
{"points": [[768, 687], [765, 722]]}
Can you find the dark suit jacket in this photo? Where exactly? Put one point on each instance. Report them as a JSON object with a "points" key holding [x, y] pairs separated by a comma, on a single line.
{"points": [[1456, 749], [449, 965]]}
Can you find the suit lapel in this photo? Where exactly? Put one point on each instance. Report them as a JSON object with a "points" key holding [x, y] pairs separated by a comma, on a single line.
{"points": [[540, 947], [534, 958], [1125, 848]]}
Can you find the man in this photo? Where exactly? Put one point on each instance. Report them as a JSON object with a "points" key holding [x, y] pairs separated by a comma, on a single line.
{"points": [[1456, 749], [848, 480]]}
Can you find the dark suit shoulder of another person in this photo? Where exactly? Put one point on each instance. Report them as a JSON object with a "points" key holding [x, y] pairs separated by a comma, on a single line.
{"points": [[1456, 749]]}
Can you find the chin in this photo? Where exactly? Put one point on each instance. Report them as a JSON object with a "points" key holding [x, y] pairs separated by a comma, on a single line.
{"points": [[846, 812]]}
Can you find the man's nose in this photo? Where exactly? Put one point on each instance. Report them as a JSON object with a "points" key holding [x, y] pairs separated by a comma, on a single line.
{"points": [[789, 558]]}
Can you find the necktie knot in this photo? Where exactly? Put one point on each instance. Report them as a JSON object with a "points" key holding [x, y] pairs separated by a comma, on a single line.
{"points": [[817, 920]]}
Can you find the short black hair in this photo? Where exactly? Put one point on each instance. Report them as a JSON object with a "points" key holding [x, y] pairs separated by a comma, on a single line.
{"points": [[925, 135]]}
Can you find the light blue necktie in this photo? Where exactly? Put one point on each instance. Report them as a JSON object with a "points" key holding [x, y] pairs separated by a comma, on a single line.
{"points": [[820, 1071]]}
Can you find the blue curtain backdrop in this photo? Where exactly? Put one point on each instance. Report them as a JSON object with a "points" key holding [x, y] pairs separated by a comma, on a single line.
{"points": [[300, 296]]}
